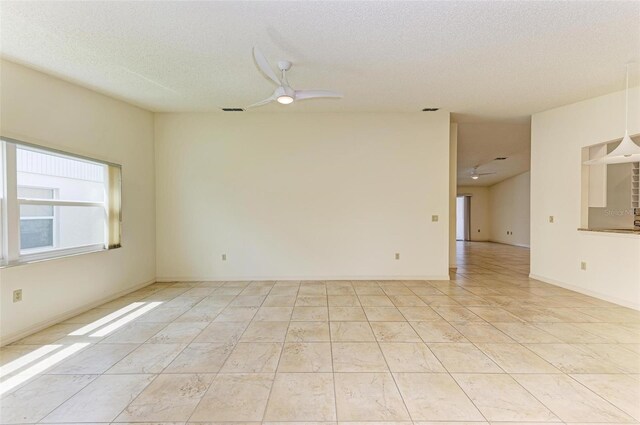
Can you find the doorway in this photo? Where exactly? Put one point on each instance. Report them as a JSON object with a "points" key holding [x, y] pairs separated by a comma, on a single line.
{"points": [[463, 218]]}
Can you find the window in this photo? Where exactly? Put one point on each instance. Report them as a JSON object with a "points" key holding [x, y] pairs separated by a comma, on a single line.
{"points": [[36, 221], [55, 204]]}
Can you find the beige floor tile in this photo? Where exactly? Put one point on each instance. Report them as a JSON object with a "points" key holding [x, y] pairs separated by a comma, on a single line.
{"points": [[384, 314], [612, 332], [620, 390], [407, 300], [358, 357], [49, 391], [375, 301], [514, 358], [435, 397], [200, 357], [204, 313], [569, 333], [280, 300], [456, 313], [494, 314], [228, 332], [394, 332], [168, 398], [351, 331], [525, 332], [419, 314], [247, 301], [344, 300], [253, 357], [437, 331], [569, 400], [481, 332], [102, 400], [265, 332], [501, 398], [95, 359], [237, 314], [368, 397], [308, 332], [133, 333], [463, 358], [342, 314], [178, 333], [236, 397], [148, 358], [306, 357], [311, 301], [570, 359], [617, 354], [273, 314], [410, 357], [310, 314], [302, 397]]}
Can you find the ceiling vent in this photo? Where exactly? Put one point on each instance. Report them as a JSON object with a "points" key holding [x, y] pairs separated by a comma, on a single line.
{"points": [[430, 109], [501, 158], [233, 109]]}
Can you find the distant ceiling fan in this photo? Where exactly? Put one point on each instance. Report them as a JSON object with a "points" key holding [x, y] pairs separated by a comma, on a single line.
{"points": [[475, 175], [284, 94]]}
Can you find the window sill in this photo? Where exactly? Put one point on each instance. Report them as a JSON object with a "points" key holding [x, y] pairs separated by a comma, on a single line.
{"points": [[53, 255]]}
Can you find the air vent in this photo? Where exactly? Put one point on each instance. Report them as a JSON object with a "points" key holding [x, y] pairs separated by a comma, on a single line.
{"points": [[233, 109], [430, 109], [501, 158]]}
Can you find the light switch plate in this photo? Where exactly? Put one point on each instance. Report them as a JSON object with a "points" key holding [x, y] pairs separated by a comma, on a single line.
{"points": [[434, 218]]}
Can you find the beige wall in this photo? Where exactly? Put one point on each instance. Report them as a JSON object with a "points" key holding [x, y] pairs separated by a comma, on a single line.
{"points": [[453, 183], [509, 210], [558, 248], [480, 215], [302, 196], [41, 109]]}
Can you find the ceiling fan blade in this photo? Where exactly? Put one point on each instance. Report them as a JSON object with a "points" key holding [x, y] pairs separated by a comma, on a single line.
{"points": [[262, 102], [311, 94], [484, 174], [264, 66]]}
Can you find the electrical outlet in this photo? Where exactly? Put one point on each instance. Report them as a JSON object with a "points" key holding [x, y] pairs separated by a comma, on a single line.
{"points": [[583, 265], [224, 257], [434, 218], [550, 219], [17, 295], [397, 255]]}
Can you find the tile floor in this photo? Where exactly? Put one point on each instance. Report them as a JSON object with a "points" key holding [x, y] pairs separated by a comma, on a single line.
{"points": [[490, 345]]}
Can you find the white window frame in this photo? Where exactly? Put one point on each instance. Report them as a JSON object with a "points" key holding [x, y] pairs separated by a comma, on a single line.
{"points": [[54, 220], [10, 208]]}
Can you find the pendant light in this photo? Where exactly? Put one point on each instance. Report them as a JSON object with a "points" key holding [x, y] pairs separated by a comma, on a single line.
{"points": [[627, 150]]}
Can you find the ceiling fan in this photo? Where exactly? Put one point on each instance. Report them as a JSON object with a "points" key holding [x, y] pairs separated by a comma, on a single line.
{"points": [[284, 94], [475, 175]]}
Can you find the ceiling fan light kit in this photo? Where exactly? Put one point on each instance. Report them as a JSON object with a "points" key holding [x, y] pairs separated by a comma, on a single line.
{"points": [[284, 94], [627, 151]]}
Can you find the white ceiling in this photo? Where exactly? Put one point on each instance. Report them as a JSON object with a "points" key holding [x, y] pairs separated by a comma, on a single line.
{"points": [[486, 62], [480, 143]]}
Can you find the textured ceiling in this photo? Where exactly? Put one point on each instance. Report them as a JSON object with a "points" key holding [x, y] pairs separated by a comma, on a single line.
{"points": [[494, 63], [480, 143], [498, 60]]}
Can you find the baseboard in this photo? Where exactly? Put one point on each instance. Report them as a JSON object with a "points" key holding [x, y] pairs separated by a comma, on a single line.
{"points": [[248, 278], [595, 294], [521, 245], [69, 314]]}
